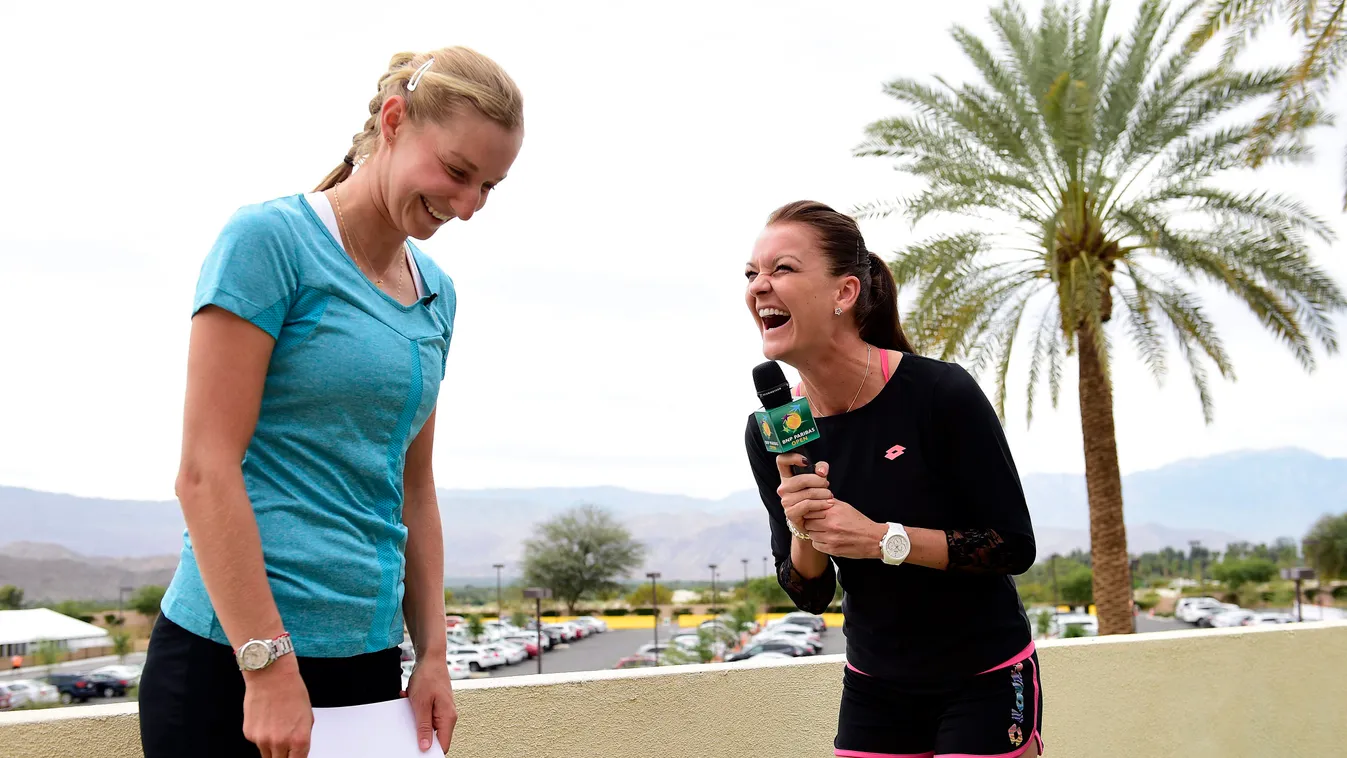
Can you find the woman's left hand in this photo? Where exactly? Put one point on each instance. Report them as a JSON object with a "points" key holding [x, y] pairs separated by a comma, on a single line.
{"points": [[432, 702], [844, 532]]}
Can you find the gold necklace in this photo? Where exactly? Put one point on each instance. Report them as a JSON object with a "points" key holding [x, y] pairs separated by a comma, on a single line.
{"points": [[355, 245], [858, 389]]}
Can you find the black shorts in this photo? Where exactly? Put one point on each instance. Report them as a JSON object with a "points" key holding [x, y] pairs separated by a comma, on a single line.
{"points": [[191, 692], [997, 714]]}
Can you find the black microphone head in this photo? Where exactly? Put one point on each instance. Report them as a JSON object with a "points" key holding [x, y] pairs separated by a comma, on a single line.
{"points": [[770, 382]]}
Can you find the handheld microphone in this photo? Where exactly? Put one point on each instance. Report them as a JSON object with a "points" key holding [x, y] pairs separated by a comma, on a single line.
{"points": [[785, 422]]}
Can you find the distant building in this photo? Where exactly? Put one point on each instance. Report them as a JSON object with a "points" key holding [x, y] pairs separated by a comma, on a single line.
{"points": [[686, 596], [22, 631]]}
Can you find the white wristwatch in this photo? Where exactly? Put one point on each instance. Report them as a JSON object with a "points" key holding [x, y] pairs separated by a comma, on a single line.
{"points": [[895, 546], [255, 655]]}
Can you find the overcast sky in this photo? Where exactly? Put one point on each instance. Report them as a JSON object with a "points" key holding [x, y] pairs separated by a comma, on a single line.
{"points": [[602, 336]]}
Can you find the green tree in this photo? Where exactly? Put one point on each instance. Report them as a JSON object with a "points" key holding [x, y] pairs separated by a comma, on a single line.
{"points": [[743, 616], [147, 599], [1326, 547], [475, 627], [767, 591], [1320, 28], [1077, 587], [640, 597], [1237, 572], [448, 597], [1089, 161], [520, 618], [11, 598], [75, 609], [122, 644], [584, 550]]}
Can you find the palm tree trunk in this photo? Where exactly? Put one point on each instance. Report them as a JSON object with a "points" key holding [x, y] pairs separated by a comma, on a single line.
{"points": [[1103, 483]]}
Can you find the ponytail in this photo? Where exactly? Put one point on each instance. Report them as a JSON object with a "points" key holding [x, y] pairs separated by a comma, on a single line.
{"points": [[841, 243], [879, 322]]}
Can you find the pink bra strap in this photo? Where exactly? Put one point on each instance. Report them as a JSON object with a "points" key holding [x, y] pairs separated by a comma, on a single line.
{"points": [[884, 364]]}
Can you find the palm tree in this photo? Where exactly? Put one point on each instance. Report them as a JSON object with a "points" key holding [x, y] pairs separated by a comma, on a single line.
{"points": [[1321, 27], [1090, 162]]}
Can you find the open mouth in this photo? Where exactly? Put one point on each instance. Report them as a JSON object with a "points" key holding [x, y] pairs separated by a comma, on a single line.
{"points": [[440, 217], [773, 318]]}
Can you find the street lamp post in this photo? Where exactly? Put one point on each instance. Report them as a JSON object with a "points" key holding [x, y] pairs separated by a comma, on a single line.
{"points": [[654, 606], [714, 599], [1193, 545], [121, 594], [538, 593], [764, 565], [500, 607], [745, 561]]}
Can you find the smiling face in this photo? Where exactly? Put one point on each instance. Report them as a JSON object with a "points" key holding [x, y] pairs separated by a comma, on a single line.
{"points": [[437, 172], [793, 295]]}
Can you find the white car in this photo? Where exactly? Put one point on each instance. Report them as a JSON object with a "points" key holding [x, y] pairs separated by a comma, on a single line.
{"points": [[477, 656], [513, 653], [28, 692], [1271, 617], [1236, 617], [458, 669], [801, 633], [1061, 622], [765, 658], [598, 624], [1206, 613], [1186, 608], [131, 674]]}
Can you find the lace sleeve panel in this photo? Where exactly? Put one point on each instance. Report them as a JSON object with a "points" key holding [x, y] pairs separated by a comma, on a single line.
{"points": [[809, 595], [985, 551]]}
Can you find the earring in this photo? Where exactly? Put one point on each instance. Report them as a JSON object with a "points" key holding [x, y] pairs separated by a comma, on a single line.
{"points": [[837, 311]]}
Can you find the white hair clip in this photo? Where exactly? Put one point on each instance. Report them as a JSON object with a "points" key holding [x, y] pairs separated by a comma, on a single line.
{"points": [[420, 72]]}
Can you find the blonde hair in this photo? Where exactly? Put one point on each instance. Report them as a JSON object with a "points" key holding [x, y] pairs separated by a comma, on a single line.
{"points": [[456, 77]]}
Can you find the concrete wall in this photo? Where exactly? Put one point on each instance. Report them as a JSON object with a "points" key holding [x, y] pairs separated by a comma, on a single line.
{"points": [[1229, 693]]}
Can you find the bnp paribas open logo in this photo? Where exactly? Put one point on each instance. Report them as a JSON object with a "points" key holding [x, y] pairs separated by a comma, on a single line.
{"points": [[788, 427]]}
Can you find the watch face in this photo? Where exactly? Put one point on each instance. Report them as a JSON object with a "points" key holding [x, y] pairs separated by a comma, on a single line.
{"points": [[896, 546], [255, 655]]}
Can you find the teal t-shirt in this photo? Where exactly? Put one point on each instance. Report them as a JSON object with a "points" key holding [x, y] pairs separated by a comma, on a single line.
{"points": [[353, 376]]}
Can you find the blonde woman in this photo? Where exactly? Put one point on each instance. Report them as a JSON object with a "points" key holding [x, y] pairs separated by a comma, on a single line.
{"points": [[318, 344]]}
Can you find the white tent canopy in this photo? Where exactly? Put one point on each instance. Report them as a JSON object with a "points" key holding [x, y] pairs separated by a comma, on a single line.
{"points": [[22, 628]]}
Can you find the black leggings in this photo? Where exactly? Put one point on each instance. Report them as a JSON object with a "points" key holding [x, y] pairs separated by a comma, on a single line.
{"points": [[191, 692]]}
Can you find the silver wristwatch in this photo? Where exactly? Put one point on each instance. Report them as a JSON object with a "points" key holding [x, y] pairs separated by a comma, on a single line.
{"points": [[895, 546], [255, 655]]}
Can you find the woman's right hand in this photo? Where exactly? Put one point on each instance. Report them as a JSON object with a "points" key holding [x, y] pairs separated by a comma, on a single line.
{"points": [[277, 716], [802, 493]]}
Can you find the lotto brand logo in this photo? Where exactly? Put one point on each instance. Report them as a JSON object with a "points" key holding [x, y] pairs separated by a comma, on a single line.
{"points": [[894, 452]]}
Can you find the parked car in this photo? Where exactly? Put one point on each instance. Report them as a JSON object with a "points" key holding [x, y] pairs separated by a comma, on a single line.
{"points": [[109, 686], [458, 669], [119, 671], [477, 656], [783, 646], [6, 702], [1271, 617], [73, 688], [527, 641], [30, 691], [800, 618], [598, 624], [636, 662], [513, 653], [1206, 613], [1236, 617], [569, 632], [554, 633], [804, 633], [453, 622], [766, 657], [1186, 607], [1084, 623]]}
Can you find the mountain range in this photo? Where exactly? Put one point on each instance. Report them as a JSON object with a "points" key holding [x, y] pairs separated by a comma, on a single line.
{"points": [[1250, 495]]}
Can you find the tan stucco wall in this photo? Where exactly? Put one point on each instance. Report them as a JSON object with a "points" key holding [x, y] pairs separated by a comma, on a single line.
{"points": [[1227, 693]]}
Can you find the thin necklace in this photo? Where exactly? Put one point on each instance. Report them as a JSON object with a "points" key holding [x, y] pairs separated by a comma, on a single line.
{"points": [[858, 389], [355, 244]]}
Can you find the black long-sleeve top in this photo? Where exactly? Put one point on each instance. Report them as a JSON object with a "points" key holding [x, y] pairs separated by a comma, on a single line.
{"points": [[928, 451]]}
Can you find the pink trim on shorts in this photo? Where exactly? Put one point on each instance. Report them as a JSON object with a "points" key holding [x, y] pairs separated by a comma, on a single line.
{"points": [[858, 671], [1016, 753], [1020, 656], [863, 754]]}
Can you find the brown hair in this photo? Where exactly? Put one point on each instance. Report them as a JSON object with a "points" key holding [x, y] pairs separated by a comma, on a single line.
{"points": [[455, 77], [841, 242]]}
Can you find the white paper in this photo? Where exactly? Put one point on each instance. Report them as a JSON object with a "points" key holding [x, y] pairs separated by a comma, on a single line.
{"points": [[386, 730]]}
